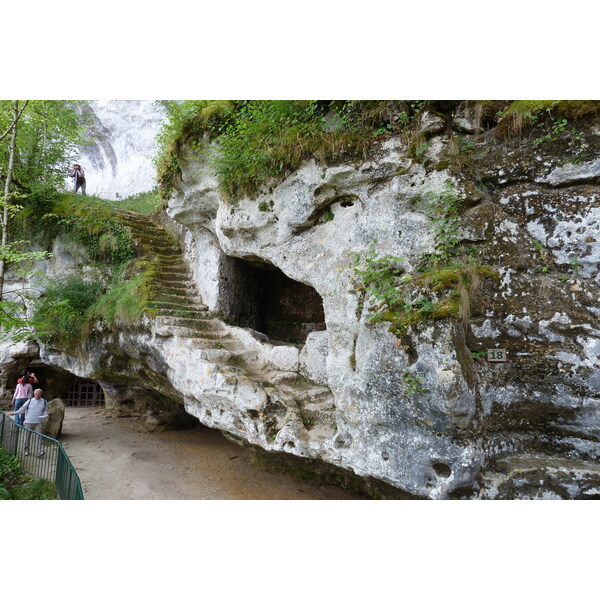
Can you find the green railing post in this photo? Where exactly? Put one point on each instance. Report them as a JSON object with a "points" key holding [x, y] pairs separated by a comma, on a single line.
{"points": [[15, 440]]}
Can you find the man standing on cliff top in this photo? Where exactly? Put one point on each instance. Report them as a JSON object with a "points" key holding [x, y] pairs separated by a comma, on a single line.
{"points": [[79, 175]]}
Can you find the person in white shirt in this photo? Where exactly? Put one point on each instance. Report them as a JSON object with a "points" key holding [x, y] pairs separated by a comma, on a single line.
{"points": [[36, 410]]}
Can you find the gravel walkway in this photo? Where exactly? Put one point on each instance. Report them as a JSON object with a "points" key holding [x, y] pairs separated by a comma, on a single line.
{"points": [[117, 460]]}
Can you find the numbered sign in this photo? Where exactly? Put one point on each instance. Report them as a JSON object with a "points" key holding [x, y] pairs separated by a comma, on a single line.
{"points": [[496, 355]]}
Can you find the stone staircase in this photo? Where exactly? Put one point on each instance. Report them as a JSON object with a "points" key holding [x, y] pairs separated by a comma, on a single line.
{"points": [[178, 310], [175, 302]]}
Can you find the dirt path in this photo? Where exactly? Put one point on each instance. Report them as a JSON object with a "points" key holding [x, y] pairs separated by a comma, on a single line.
{"points": [[117, 461]]}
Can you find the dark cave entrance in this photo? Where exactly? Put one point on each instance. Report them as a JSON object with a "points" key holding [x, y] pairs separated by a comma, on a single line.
{"points": [[56, 383], [260, 296]]}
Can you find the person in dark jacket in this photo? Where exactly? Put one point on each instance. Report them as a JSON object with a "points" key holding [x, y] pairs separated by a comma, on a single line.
{"points": [[79, 178]]}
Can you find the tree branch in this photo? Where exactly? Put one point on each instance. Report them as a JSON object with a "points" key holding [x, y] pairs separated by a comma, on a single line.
{"points": [[15, 121]]}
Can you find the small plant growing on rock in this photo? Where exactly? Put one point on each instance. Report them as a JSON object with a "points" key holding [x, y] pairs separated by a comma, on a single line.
{"points": [[379, 275], [407, 299], [308, 422], [540, 249], [557, 129], [413, 383], [237, 361], [443, 209], [575, 266]]}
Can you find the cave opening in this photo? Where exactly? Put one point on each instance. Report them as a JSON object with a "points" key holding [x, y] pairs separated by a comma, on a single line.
{"points": [[55, 383], [260, 296]]}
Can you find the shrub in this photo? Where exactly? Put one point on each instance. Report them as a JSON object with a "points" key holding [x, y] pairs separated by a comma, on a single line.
{"points": [[36, 489], [71, 305], [123, 301], [11, 471], [16, 485], [60, 314]]}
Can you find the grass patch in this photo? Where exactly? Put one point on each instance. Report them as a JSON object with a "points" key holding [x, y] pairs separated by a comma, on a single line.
{"points": [[522, 115], [86, 220], [145, 202]]}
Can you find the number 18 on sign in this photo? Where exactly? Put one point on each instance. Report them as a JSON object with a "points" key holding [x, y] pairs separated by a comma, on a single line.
{"points": [[496, 355]]}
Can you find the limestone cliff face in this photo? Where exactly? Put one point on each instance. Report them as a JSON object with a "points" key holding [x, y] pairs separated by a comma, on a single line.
{"points": [[474, 427], [121, 141], [379, 429], [279, 349]]}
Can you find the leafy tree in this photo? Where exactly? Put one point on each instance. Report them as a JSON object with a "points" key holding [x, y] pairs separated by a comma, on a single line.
{"points": [[37, 142], [17, 113]]}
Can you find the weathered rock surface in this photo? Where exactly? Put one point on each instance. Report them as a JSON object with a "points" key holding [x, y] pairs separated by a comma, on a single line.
{"points": [[339, 390], [56, 415], [543, 310]]}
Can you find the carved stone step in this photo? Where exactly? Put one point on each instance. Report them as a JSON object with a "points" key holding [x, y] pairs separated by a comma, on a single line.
{"points": [[162, 295], [201, 339], [195, 324], [152, 235], [159, 304], [170, 259], [185, 313], [180, 268], [215, 355], [158, 239], [156, 248], [173, 282], [183, 292], [162, 253]]}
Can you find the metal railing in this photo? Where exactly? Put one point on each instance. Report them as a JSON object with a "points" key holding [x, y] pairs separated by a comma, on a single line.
{"points": [[41, 456]]}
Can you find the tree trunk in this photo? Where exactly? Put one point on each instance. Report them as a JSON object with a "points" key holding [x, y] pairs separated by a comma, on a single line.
{"points": [[9, 174]]}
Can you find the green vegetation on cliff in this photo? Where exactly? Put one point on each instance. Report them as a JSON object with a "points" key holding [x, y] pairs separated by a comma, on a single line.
{"points": [[527, 114], [443, 285], [85, 220], [113, 287], [267, 139], [72, 306], [262, 141]]}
